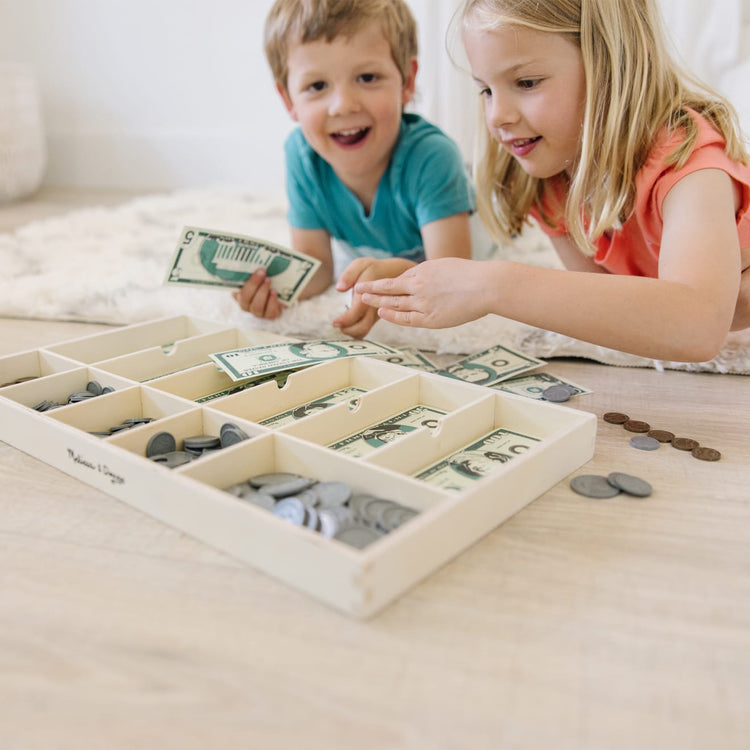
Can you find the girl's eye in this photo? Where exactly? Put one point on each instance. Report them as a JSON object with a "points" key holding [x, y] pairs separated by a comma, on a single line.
{"points": [[316, 86], [484, 92], [368, 78], [527, 83]]}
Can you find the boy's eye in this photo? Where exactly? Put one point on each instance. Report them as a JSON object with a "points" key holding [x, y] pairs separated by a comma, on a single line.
{"points": [[316, 86], [527, 83], [368, 77]]}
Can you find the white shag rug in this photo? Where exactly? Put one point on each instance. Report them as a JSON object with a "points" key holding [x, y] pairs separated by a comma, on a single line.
{"points": [[108, 265]]}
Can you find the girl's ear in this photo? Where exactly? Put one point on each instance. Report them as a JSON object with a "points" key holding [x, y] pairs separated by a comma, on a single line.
{"points": [[407, 91], [284, 94]]}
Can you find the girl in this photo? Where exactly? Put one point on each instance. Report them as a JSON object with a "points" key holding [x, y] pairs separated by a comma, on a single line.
{"points": [[634, 169]]}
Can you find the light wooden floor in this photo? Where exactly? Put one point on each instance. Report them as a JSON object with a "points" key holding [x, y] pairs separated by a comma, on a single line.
{"points": [[578, 624]]}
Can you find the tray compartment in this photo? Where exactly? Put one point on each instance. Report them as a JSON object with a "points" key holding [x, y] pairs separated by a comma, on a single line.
{"points": [[158, 361], [195, 421], [101, 413], [35, 363], [127, 339], [305, 386]]}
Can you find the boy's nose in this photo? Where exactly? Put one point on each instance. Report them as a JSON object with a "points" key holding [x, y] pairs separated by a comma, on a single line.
{"points": [[344, 101]]}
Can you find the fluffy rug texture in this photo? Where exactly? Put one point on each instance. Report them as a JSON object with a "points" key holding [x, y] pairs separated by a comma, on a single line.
{"points": [[108, 265]]}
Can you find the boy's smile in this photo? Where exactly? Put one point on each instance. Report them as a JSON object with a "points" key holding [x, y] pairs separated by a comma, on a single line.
{"points": [[347, 96], [533, 85]]}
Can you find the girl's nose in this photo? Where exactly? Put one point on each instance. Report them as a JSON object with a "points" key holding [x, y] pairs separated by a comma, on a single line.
{"points": [[500, 112]]}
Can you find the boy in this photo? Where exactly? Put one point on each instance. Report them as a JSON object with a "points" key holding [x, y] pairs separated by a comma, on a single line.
{"points": [[389, 187]]}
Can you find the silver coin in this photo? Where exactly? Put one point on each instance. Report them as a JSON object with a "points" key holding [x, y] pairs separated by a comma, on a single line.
{"points": [[631, 485], [331, 494], [290, 487], [238, 489], [290, 509], [160, 443], [79, 396], [94, 387], [201, 442], [259, 480], [137, 420], [393, 517], [231, 434], [308, 498], [335, 519], [644, 443], [358, 501], [261, 499], [358, 536], [311, 520], [172, 459], [557, 393], [371, 510], [593, 485]]}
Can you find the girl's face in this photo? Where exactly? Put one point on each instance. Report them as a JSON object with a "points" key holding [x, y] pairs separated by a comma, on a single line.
{"points": [[348, 95], [534, 88]]}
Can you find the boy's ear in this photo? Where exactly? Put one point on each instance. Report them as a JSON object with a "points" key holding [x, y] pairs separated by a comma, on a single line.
{"points": [[410, 84], [284, 94]]}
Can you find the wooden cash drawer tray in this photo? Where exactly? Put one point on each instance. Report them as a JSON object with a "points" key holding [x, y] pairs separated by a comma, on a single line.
{"points": [[135, 360]]}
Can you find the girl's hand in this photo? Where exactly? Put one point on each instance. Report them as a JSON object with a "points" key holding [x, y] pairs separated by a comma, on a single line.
{"points": [[434, 294], [257, 297]]}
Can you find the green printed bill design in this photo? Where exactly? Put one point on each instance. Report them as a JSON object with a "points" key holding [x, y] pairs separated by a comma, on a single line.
{"points": [[460, 470], [492, 366], [253, 361], [208, 258], [534, 384], [312, 407], [376, 436]]}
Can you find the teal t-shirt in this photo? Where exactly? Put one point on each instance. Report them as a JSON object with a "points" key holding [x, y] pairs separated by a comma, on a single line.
{"points": [[425, 180]]}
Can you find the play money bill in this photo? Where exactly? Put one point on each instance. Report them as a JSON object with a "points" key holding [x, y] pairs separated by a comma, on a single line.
{"points": [[409, 357], [253, 361], [311, 407], [395, 427], [460, 470], [533, 385], [492, 366], [208, 258]]}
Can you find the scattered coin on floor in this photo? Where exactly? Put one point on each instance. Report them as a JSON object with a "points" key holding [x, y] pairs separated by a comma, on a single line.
{"points": [[557, 393], [594, 486], [629, 484], [684, 444], [663, 436], [636, 425], [644, 443], [616, 417], [706, 454]]}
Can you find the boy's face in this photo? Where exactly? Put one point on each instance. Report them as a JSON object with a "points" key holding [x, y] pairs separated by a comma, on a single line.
{"points": [[347, 96]]}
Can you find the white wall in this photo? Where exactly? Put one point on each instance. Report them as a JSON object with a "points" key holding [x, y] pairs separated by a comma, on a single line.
{"points": [[168, 93], [161, 94]]}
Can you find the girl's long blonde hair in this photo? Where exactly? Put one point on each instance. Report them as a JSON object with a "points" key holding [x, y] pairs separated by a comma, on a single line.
{"points": [[633, 89]]}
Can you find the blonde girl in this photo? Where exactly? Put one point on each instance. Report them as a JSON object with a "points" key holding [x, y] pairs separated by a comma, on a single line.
{"points": [[636, 171]]}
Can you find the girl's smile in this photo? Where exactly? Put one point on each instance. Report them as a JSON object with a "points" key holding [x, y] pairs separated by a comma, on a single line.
{"points": [[533, 86]]}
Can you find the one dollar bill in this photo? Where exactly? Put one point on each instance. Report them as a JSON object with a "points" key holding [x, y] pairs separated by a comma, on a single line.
{"points": [[208, 258], [253, 361], [492, 365]]}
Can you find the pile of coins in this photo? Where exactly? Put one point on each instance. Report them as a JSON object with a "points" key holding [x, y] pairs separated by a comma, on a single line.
{"points": [[93, 389], [19, 380], [329, 507], [162, 446], [648, 439], [601, 487], [126, 424]]}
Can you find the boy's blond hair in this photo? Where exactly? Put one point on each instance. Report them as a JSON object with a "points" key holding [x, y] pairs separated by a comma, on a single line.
{"points": [[300, 21], [633, 89]]}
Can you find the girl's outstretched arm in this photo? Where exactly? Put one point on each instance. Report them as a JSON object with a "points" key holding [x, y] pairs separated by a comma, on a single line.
{"points": [[684, 315]]}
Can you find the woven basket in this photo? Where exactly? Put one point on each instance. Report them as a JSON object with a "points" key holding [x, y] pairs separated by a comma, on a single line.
{"points": [[23, 152]]}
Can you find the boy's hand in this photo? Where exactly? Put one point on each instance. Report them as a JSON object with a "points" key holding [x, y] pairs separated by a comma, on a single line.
{"points": [[257, 297], [360, 318]]}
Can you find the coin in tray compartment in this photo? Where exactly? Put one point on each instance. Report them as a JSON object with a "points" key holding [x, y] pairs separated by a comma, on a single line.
{"points": [[93, 388], [162, 446], [17, 381], [329, 507]]}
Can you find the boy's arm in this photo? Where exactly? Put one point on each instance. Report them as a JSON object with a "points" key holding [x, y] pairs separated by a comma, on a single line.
{"points": [[447, 238]]}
